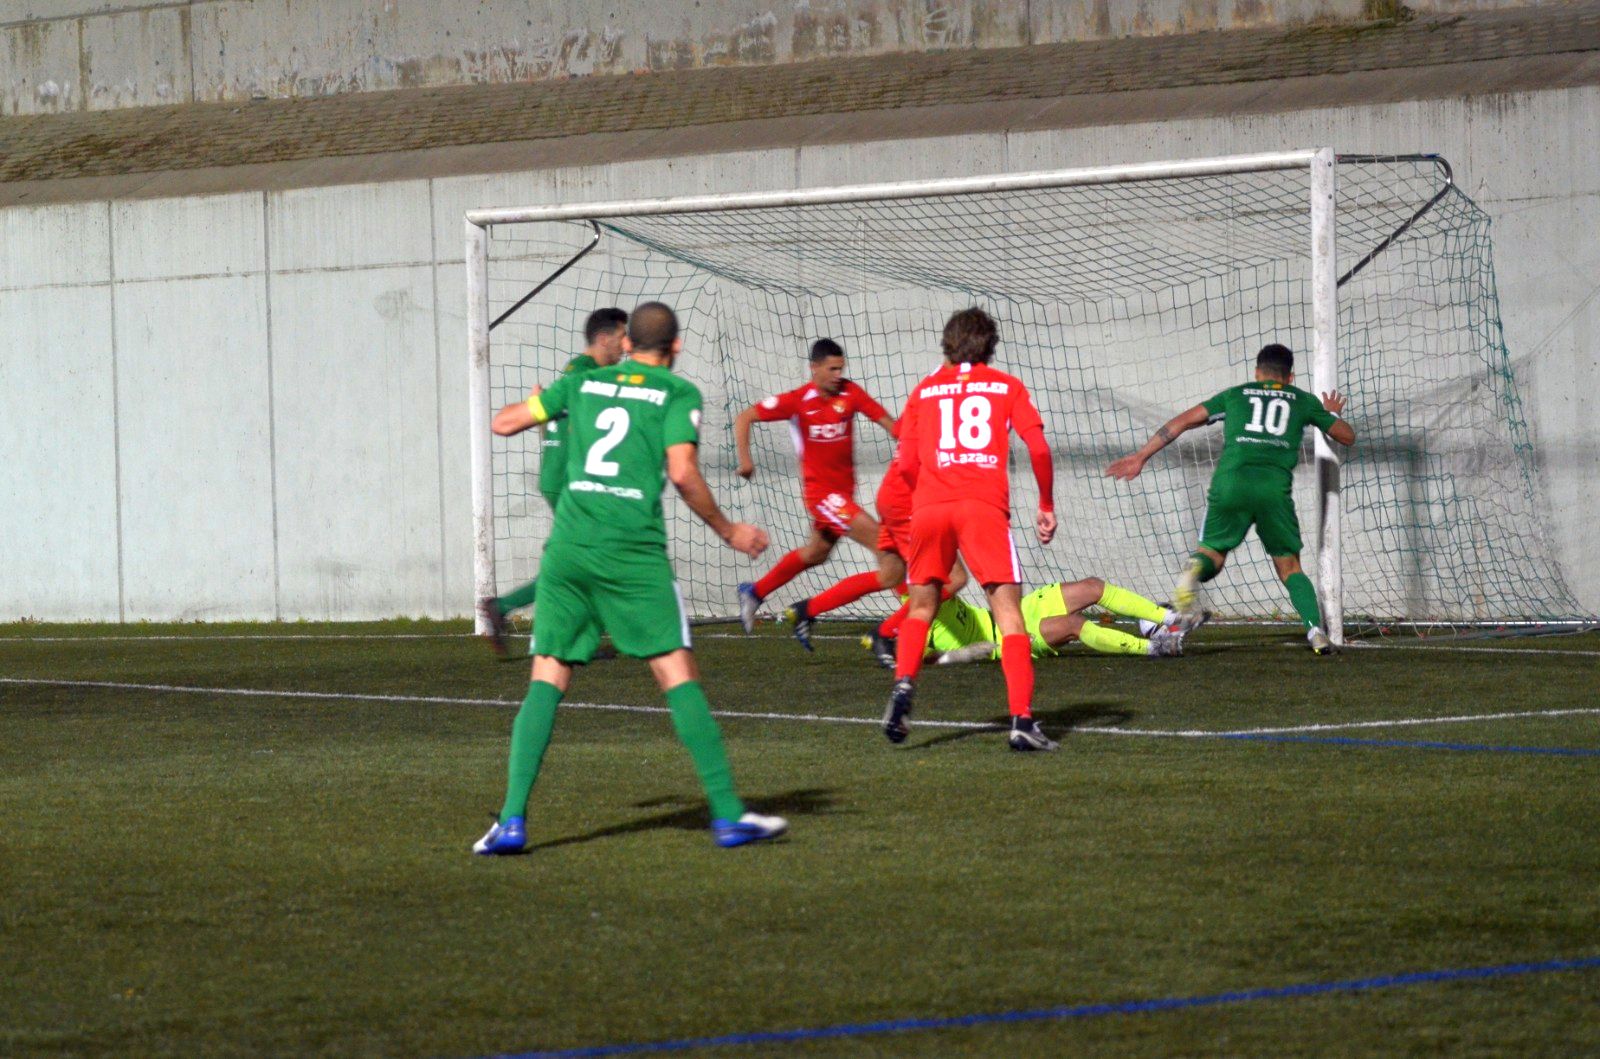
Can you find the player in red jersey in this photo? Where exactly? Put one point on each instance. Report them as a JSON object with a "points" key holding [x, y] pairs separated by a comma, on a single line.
{"points": [[821, 417], [954, 443], [894, 549]]}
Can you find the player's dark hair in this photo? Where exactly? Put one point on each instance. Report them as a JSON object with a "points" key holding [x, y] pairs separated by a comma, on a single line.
{"points": [[1276, 359], [823, 348], [602, 320], [653, 329], [970, 337]]}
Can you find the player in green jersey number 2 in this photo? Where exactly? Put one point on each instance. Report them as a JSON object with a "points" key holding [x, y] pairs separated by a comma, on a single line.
{"points": [[630, 428], [604, 332], [1263, 422]]}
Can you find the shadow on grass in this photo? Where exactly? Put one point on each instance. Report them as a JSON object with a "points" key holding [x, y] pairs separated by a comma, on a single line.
{"points": [[693, 815], [1055, 722]]}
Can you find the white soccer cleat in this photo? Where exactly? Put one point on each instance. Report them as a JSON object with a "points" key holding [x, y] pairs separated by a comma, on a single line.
{"points": [[751, 827], [1189, 622], [1166, 642], [972, 652], [1320, 644]]}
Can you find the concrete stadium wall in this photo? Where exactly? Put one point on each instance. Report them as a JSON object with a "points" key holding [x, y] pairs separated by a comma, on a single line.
{"points": [[255, 405], [64, 55]]}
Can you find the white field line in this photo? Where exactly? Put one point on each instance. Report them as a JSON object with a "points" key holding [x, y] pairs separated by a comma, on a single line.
{"points": [[1482, 650], [812, 718]]}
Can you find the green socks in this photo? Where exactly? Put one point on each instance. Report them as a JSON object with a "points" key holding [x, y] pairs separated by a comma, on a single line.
{"points": [[519, 597], [1111, 641], [530, 735], [1304, 596], [1130, 604], [691, 716], [1203, 565]]}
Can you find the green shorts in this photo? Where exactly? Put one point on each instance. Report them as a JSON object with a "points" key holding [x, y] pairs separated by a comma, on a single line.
{"points": [[586, 591], [1237, 503], [1042, 603]]}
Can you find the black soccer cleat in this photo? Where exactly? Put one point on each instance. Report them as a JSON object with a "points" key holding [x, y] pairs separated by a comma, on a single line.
{"points": [[883, 649], [895, 725], [495, 619], [802, 623], [1025, 735]]}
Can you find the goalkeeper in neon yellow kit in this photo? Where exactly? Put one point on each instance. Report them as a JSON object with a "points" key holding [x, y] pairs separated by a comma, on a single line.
{"points": [[1053, 618]]}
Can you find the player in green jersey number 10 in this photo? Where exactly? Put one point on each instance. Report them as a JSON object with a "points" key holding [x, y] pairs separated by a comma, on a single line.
{"points": [[1263, 422], [629, 428]]}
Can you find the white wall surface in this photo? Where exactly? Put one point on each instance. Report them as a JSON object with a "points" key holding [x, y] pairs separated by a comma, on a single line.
{"points": [[290, 419]]}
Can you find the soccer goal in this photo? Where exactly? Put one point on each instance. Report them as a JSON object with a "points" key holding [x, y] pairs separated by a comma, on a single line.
{"points": [[1124, 295]]}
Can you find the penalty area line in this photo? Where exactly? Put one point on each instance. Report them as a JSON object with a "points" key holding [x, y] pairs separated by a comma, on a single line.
{"points": [[1075, 1011], [442, 700]]}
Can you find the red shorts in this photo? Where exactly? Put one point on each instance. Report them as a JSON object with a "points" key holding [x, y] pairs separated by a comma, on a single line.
{"points": [[894, 529], [832, 512], [982, 533]]}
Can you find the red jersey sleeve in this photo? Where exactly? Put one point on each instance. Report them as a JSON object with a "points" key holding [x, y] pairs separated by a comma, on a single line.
{"points": [[1025, 417], [907, 458], [779, 406], [866, 405]]}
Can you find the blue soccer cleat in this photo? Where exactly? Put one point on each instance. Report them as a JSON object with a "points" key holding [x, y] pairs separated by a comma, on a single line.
{"points": [[501, 840], [803, 623], [751, 827], [749, 602]]}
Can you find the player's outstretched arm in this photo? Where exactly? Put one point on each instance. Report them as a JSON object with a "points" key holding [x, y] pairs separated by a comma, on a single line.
{"points": [[1128, 468], [1340, 431], [515, 418], [683, 469], [741, 440]]}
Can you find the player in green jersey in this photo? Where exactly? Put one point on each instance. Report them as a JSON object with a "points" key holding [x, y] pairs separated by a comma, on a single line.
{"points": [[630, 429], [1053, 617], [603, 333], [1263, 422]]}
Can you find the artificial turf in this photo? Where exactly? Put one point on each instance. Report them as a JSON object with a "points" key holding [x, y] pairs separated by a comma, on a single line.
{"points": [[189, 872]]}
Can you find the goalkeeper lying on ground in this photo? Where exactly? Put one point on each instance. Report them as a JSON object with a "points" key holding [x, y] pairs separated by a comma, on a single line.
{"points": [[1053, 617]]}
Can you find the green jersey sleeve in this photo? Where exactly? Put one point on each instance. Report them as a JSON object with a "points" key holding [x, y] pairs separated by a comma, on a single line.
{"points": [[552, 403], [1319, 416], [1217, 405], [681, 422]]}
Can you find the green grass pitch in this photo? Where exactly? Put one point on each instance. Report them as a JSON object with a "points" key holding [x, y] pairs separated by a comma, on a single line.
{"points": [[196, 873]]}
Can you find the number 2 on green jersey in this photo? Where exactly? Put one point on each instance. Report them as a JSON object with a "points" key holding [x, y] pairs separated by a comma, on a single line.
{"points": [[1273, 417], [614, 421]]}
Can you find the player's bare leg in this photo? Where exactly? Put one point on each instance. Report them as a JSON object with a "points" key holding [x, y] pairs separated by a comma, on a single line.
{"points": [[1016, 659], [1304, 596], [804, 614], [882, 641]]}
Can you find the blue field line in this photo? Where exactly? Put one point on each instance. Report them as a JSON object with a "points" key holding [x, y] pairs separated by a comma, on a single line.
{"points": [[1412, 744], [1080, 1011]]}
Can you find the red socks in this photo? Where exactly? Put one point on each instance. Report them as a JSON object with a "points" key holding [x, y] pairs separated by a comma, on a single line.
{"points": [[1016, 660], [909, 649], [788, 568], [843, 594]]}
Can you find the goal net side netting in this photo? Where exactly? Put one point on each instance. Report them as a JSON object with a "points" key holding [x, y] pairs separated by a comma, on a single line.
{"points": [[1120, 304]]}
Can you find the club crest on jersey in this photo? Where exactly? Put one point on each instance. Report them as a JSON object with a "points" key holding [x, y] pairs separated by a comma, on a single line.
{"points": [[838, 406]]}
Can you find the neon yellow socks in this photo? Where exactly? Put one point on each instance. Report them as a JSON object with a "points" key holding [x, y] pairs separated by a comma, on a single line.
{"points": [[1111, 641], [1131, 604]]}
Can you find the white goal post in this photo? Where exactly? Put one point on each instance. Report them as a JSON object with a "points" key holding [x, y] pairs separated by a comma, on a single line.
{"points": [[1151, 265]]}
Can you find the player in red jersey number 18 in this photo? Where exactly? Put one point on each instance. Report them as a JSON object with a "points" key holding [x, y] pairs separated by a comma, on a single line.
{"points": [[954, 444]]}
